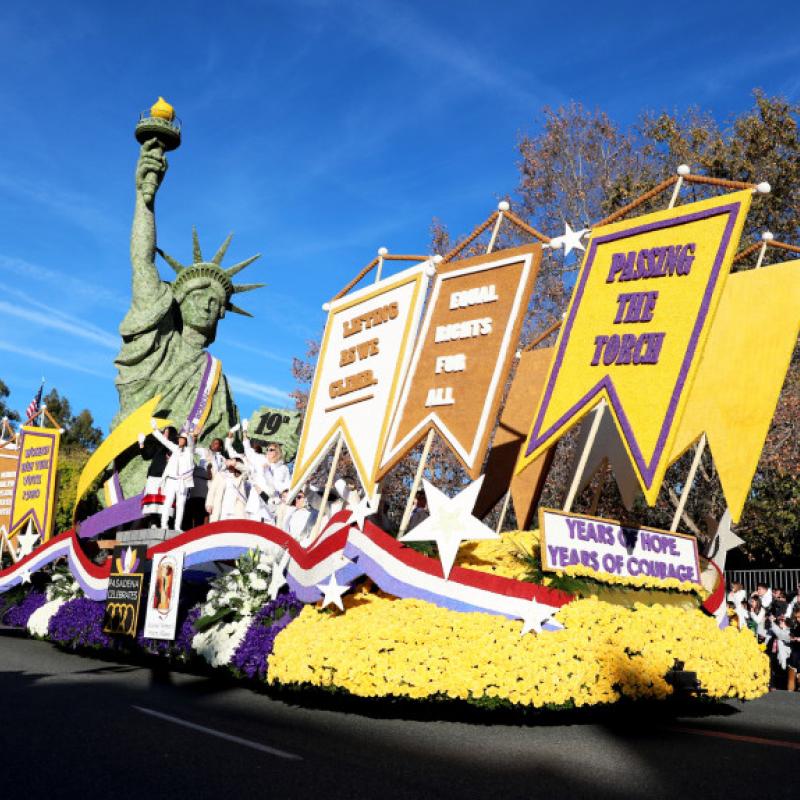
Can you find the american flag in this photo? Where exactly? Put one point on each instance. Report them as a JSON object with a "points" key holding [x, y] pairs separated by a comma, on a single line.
{"points": [[33, 407]]}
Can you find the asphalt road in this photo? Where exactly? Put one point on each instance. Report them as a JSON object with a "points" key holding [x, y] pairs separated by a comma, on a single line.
{"points": [[72, 725]]}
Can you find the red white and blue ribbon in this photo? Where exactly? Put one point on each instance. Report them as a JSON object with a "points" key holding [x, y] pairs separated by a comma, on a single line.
{"points": [[341, 548], [93, 579]]}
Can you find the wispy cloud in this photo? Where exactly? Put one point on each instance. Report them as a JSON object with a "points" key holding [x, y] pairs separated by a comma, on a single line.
{"points": [[258, 351], [411, 38], [48, 358], [55, 319], [75, 287], [79, 209], [259, 391]]}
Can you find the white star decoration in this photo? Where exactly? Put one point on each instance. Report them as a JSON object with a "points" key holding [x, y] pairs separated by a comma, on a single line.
{"points": [[534, 615], [450, 522], [571, 240], [5, 544], [27, 541], [365, 508], [26, 576], [332, 592], [278, 578], [724, 541]]}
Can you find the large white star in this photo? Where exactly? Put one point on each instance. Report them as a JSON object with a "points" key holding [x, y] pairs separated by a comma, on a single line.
{"points": [[332, 592], [533, 616], [571, 240], [27, 541], [450, 522], [26, 575], [366, 507], [724, 541]]}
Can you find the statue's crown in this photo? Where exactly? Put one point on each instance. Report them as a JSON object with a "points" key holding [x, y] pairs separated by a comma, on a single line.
{"points": [[201, 270]]}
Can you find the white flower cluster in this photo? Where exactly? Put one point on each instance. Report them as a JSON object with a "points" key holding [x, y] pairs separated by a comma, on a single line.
{"points": [[218, 643], [245, 588], [40, 619], [233, 599], [63, 585]]}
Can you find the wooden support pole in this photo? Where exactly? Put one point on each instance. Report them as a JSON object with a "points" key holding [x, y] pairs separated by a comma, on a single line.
{"points": [[379, 271], [766, 240], [598, 489], [415, 485], [503, 511], [495, 231], [573, 489], [687, 487], [328, 485]]}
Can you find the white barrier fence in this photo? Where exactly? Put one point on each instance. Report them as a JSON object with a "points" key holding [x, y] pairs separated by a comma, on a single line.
{"points": [[786, 579]]}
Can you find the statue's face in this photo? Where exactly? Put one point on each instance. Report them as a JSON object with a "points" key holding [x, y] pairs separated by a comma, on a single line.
{"points": [[202, 307]]}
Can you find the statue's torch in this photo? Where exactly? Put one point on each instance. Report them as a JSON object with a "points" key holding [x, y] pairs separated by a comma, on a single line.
{"points": [[158, 122]]}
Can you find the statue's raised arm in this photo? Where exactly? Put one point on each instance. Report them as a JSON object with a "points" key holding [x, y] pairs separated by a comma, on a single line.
{"points": [[150, 170]]}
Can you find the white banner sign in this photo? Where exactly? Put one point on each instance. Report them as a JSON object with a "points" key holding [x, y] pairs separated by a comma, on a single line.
{"points": [[607, 548], [162, 598], [363, 358]]}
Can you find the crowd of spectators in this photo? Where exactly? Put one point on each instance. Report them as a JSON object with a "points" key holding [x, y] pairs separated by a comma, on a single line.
{"points": [[774, 617]]}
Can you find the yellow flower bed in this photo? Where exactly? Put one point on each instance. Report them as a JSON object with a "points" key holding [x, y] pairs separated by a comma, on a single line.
{"points": [[410, 648], [500, 556]]}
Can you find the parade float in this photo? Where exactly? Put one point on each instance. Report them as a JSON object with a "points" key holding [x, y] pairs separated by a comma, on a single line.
{"points": [[661, 350]]}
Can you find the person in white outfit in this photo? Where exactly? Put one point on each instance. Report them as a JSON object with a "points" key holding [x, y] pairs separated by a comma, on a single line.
{"points": [[276, 469], [300, 519], [178, 475], [227, 493]]}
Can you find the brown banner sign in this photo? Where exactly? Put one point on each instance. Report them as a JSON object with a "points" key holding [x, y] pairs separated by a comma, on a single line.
{"points": [[467, 342], [9, 460], [515, 422], [365, 352]]}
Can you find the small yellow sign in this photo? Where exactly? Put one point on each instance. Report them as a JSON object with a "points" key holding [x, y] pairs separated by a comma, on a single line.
{"points": [[35, 485], [636, 327]]}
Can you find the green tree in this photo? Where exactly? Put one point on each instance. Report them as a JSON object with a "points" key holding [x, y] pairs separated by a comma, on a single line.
{"points": [[5, 411], [80, 429]]}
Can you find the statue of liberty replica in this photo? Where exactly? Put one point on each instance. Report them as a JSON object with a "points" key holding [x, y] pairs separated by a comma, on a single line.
{"points": [[169, 325]]}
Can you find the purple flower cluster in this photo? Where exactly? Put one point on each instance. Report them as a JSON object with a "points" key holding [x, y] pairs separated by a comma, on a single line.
{"points": [[180, 647], [156, 647], [79, 623], [19, 615], [251, 655], [183, 641]]}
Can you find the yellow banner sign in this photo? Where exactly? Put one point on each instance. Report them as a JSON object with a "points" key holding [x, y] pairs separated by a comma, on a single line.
{"points": [[636, 327], [741, 374], [35, 486]]}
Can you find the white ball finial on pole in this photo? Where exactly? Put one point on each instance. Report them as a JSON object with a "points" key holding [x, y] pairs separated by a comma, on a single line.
{"points": [[503, 206], [767, 236], [383, 251], [684, 170], [763, 188]]}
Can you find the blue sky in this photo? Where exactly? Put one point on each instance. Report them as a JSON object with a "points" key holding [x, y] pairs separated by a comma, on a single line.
{"points": [[317, 132]]}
